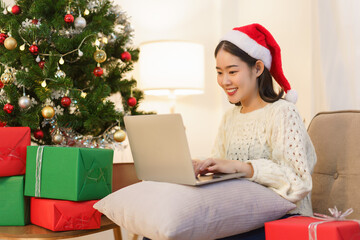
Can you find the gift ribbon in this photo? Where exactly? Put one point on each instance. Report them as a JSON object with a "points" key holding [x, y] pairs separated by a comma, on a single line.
{"points": [[11, 154], [336, 215], [39, 158], [77, 223]]}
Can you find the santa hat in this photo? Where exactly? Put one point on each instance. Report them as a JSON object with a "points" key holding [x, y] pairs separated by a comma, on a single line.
{"points": [[258, 42]]}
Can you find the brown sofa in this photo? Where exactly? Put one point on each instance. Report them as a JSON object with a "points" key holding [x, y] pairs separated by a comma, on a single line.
{"points": [[336, 177]]}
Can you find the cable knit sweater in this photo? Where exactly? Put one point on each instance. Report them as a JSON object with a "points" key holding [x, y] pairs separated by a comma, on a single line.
{"points": [[275, 141]]}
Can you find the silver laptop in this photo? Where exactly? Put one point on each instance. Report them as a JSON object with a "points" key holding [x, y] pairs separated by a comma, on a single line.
{"points": [[161, 153]]}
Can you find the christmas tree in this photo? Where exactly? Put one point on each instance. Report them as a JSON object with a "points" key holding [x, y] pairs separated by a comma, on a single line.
{"points": [[60, 62]]}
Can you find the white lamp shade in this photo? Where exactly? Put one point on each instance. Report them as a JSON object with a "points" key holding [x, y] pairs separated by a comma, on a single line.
{"points": [[171, 67]]}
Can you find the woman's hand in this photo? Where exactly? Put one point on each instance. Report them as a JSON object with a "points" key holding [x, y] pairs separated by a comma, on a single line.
{"points": [[215, 165]]}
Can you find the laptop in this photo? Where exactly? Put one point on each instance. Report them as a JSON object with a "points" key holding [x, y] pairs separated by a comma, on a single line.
{"points": [[161, 153]]}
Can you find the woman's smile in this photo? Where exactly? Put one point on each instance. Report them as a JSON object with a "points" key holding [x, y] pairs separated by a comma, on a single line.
{"points": [[231, 91]]}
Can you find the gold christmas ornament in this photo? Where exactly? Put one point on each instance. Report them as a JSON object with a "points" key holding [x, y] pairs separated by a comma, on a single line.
{"points": [[57, 138], [7, 78], [48, 112], [119, 136], [100, 56], [10, 43]]}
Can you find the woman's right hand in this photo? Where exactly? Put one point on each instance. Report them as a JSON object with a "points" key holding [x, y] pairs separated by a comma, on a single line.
{"points": [[197, 164], [215, 165]]}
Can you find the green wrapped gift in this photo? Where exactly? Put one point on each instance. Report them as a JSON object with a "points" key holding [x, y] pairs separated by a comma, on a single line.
{"points": [[14, 207], [68, 173]]}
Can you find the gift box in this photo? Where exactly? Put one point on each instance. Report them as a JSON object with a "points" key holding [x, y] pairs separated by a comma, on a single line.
{"points": [[68, 173], [14, 207], [297, 228], [13, 143], [62, 215]]}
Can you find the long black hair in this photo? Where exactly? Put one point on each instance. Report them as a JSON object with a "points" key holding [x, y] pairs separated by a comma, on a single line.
{"points": [[264, 81]]}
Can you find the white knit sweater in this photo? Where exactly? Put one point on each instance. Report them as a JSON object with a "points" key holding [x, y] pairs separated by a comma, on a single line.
{"points": [[275, 141]]}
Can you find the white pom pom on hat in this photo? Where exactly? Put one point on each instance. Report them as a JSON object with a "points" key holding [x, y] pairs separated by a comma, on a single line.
{"points": [[291, 96], [258, 42]]}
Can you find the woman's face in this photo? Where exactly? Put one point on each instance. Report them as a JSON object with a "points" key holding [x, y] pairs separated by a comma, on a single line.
{"points": [[236, 78]]}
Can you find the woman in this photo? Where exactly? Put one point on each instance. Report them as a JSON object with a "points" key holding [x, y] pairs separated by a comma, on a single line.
{"points": [[263, 135]]}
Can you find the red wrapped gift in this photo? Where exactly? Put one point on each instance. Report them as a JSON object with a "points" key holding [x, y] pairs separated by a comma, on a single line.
{"points": [[297, 228], [13, 143], [62, 215]]}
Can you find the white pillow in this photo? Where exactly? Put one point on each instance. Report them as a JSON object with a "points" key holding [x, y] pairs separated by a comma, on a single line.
{"points": [[160, 210]]}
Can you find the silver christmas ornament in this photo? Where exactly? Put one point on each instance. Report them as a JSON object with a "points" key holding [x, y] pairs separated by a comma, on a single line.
{"points": [[37, 59], [57, 138], [80, 22], [24, 102], [60, 74]]}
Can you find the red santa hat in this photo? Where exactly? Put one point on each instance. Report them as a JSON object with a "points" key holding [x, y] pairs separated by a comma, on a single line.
{"points": [[258, 42]]}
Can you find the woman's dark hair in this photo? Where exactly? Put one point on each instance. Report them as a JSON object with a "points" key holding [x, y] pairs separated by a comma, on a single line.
{"points": [[264, 81]]}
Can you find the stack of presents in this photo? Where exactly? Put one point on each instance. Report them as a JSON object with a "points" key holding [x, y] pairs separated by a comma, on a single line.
{"points": [[52, 187]]}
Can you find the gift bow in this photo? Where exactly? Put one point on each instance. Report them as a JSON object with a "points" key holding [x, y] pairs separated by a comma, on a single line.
{"points": [[336, 215]]}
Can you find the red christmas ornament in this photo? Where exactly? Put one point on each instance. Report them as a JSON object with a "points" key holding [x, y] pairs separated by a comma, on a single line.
{"points": [[3, 36], [16, 10], [65, 101], [41, 64], [34, 49], [1, 84], [70, 142], [69, 18], [8, 108], [131, 101], [98, 71], [125, 56], [2, 124], [34, 21], [38, 134]]}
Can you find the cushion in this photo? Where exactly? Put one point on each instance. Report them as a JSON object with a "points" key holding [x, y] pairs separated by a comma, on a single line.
{"points": [[161, 210], [336, 176]]}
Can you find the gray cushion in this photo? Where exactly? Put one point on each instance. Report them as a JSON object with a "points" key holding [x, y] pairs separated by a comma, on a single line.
{"points": [[170, 211]]}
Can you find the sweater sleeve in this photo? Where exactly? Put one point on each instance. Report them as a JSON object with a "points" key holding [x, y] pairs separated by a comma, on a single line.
{"points": [[288, 171], [219, 147]]}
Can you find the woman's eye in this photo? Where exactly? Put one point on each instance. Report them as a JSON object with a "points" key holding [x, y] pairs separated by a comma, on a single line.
{"points": [[219, 73], [232, 72]]}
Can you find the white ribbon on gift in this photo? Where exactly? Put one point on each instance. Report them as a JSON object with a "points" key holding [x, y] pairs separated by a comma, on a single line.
{"points": [[336, 215], [39, 158]]}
